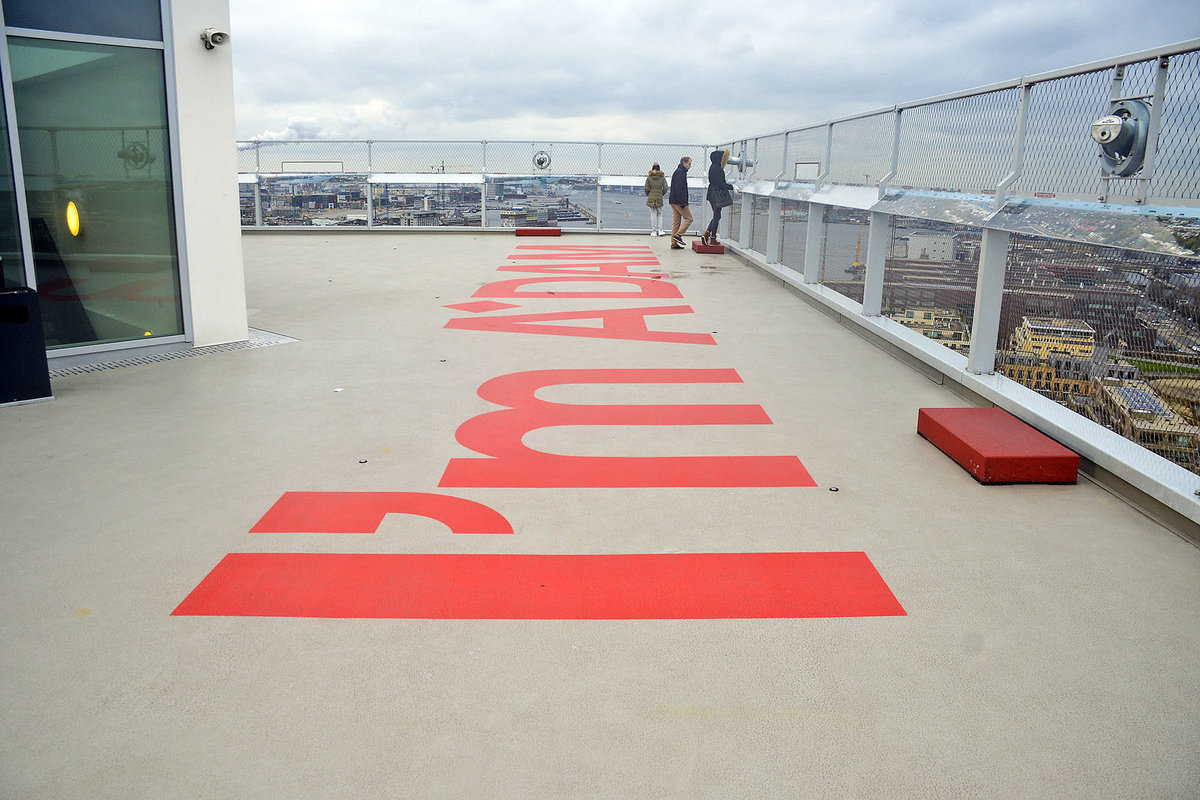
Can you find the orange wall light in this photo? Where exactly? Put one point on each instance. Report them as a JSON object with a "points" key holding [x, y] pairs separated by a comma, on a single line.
{"points": [[74, 225]]}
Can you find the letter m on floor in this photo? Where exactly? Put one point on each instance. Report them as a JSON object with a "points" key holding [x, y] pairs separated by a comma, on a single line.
{"points": [[507, 462]]}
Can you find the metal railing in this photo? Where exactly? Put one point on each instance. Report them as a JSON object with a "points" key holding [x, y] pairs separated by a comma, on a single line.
{"points": [[489, 184], [1024, 137], [979, 233]]}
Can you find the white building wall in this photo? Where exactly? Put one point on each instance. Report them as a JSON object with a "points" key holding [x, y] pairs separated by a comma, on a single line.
{"points": [[210, 246]]}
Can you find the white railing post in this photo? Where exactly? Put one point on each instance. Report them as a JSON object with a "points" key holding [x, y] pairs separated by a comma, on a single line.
{"points": [[814, 241], [599, 188], [877, 243], [258, 214], [823, 172], [989, 296], [1156, 105], [483, 188], [783, 176], [886, 179], [369, 193], [1018, 159]]}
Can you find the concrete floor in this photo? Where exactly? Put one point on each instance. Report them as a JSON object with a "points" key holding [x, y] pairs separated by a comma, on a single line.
{"points": [[1051, 646]]}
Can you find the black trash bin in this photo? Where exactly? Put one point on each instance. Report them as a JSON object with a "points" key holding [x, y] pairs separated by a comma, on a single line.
{"points": [[24, 373]]}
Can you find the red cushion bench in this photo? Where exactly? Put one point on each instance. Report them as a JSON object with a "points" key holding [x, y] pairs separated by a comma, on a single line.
{"points": [[996, 447], [539, 231]]}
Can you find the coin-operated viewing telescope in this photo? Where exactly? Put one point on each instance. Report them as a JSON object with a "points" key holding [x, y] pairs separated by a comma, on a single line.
{"points": [[740, 161], [1122, 136]]}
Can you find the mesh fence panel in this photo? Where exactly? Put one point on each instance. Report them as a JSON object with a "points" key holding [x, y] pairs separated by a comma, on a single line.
{"points": [[862, 149], [37, 151], [246, 203], [768, 156], [106, 153], [322, 200], [1060, 156], [929, 279], [499, 157], [794, 233], [572, 158], [247, 157], [550, 202], [422, 157], [515, 158], [425, 205], [758, 227], [1112, 334], [316, 157], [962, 145], [806, 153], [1178, 158], [635, 159], [847, 236], [734, 213], [94, 154]]}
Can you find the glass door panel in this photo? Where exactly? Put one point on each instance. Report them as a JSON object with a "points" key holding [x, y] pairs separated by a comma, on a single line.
{"points": [[94, 151], [12, 262]]}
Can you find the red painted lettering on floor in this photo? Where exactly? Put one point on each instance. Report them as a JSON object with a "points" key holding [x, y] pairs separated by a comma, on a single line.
{"points": [[660, 586], [498, 434], [595, 268], [580, 251], [362, 512], [616, 323], [647, 287], [480, 306]]}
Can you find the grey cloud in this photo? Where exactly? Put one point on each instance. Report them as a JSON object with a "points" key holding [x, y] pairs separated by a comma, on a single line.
{"points": [[463, 64]]}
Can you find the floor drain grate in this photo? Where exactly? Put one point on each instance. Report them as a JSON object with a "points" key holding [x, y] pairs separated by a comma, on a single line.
{"points": [[256, 338]]}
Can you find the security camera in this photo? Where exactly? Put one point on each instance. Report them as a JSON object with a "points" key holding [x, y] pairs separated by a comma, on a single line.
{"points": [[213, 38]]}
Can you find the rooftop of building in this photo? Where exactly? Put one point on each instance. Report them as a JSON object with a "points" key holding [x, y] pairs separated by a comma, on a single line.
{"points": [[1059, 326], [1049, 644]]}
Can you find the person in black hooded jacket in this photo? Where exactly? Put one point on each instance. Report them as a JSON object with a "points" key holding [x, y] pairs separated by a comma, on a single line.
{"points": [[718, 195], [678, 198]]}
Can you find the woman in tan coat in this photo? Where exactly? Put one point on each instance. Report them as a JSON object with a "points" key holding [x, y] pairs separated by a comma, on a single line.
{"points": [[656, 187]]}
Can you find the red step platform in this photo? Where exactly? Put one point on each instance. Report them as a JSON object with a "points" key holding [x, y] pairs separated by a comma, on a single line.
{"points": [[996, 447], [700, 247], [539, 231]]}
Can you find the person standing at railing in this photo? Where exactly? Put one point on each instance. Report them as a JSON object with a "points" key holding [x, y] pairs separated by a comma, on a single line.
{"points": [[680, 213], [656, 189], [719, 195]]}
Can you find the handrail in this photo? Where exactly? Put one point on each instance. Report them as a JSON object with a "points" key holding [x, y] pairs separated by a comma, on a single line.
{"points": [[1014, 83]]}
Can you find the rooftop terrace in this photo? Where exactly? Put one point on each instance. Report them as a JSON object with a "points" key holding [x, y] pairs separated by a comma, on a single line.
{"points": [[1046, 641]]}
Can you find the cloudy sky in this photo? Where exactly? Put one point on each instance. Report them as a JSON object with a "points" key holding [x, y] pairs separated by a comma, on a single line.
{"points": [[646, 70]]}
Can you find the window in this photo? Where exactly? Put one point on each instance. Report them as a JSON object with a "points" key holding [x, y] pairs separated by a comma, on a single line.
{"points": [[128, 19], [92, 123]]}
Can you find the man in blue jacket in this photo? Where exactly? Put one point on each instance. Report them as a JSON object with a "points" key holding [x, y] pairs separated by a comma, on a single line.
{"points": [[681, 215]]}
